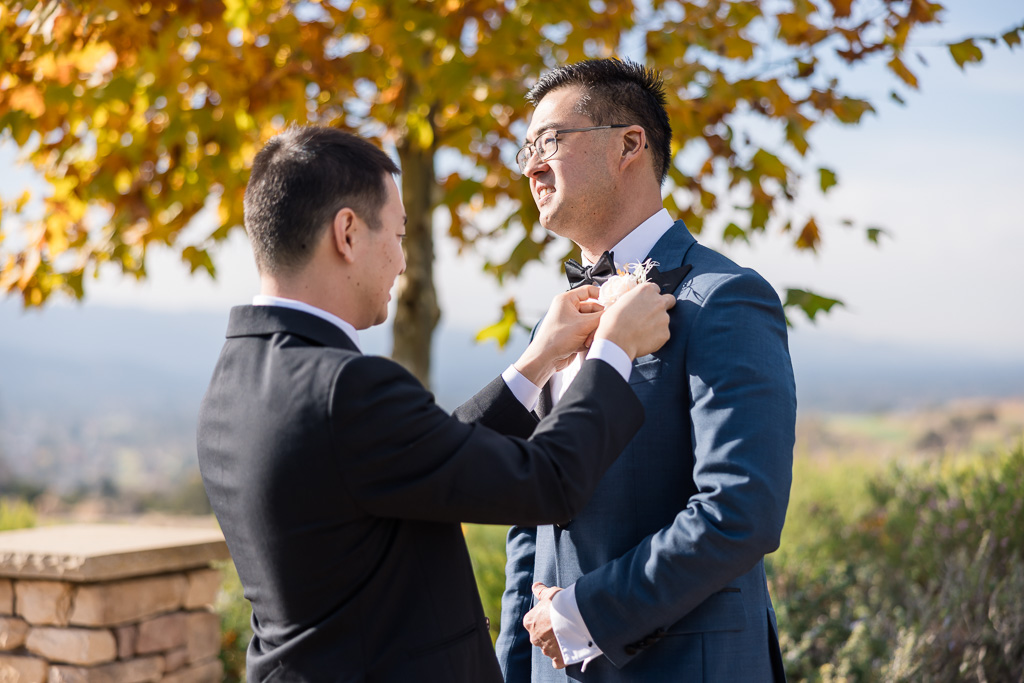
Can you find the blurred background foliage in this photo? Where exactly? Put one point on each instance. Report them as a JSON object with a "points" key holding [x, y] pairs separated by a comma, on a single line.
{"points": [[903, 572], [139, 117], [16, 514]]}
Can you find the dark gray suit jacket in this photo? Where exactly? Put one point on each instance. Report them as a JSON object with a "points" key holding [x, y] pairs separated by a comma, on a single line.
{"points": [[340, 484]]}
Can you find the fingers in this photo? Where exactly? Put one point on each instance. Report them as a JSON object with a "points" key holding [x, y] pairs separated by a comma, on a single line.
{"points": [[581, 294], [650, 289], [542, 592]]}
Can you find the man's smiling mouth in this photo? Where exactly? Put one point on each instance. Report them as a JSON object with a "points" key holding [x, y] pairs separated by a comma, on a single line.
{"points": [[544, 192]]}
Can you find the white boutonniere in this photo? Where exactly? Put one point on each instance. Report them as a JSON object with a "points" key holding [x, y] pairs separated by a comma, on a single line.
{"points": [[624, 280]]}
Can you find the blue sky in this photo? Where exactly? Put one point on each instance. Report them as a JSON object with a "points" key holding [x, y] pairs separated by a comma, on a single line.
{"points": [[943, 175]]}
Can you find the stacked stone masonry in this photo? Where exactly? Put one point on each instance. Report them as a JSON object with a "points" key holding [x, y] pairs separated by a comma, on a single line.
{"points": [[126, 630]]}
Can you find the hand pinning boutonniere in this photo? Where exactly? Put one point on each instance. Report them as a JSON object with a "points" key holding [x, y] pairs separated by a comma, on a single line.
{"points": [[624, 280]]}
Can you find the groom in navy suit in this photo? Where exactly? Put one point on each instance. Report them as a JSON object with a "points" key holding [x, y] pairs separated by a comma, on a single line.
{"points": [[661, 576]]}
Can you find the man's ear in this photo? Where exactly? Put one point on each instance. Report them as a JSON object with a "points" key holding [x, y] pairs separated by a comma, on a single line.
{"points": [[344, 231], [634, 142]]}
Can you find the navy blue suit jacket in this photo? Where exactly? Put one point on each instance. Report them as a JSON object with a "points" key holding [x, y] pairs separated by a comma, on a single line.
{"points": [[667, 556]]}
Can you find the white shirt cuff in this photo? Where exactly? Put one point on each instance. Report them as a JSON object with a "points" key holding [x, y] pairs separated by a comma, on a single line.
{"points": [[525, 391], [612, 354], [573, 636]]}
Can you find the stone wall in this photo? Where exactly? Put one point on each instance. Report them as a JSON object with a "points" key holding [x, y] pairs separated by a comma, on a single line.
{"points": [[88, 626]]}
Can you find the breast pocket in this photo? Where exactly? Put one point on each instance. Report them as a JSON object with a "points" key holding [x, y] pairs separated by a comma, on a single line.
{"points": [[645, 368]]}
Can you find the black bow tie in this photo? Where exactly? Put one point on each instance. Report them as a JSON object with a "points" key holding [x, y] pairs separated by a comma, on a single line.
{"points": [[598, 273]]}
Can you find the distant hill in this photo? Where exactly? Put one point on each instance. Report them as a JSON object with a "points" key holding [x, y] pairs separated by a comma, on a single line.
{"points": [[835, 374], [67, 360], [114, 386]]}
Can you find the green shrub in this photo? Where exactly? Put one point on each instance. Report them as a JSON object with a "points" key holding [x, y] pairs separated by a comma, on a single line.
{"points": [[16, 514], [235, 623], [487, 551], [923, 584]]}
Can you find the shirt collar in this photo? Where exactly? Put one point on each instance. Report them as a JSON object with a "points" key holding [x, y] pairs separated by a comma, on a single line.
{"points": [[634, 247], [347, 328]]}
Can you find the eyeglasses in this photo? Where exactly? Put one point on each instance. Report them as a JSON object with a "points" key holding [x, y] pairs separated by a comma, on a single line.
{"points": [[546, 143]]}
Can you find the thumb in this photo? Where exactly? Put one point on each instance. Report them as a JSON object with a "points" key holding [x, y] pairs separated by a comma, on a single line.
{"points": [[538, 589]]}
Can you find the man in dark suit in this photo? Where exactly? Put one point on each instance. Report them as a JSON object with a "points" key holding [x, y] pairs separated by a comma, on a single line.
{"points": [[337, 481], [660, 578]]}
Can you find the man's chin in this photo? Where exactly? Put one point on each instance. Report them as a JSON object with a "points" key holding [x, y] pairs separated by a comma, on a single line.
{"points": [[547, 221], [553, 225]]}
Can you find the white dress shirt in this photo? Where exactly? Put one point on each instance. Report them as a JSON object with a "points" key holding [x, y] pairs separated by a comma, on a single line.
{"points": [[347, 328], [574, 639]]}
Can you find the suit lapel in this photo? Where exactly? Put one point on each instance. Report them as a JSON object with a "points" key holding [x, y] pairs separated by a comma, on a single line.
{"points": [[670, 251]]}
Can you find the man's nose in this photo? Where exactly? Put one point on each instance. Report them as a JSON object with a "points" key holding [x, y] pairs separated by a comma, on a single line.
{"points": [[534, 165]]}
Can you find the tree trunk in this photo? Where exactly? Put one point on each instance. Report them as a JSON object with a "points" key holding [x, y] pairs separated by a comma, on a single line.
{"points": [[418, 311]]}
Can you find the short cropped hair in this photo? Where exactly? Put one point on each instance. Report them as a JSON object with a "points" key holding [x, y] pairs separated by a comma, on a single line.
{"points": [[299, 182], [617, 92]]}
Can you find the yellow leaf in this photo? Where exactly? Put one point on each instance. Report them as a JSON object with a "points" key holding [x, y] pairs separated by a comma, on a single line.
{"points": [[738, 48], [420, 131], [236, 13], [92, 56], [809, 237], [22, 201], [123, 181], [965, 52], [28, 99], [828, 178], [501, 330], [33, 259], [900, 69], [243, 121]]}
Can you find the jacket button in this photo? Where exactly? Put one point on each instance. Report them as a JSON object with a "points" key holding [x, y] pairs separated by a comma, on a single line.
{"points": [[630, 650]]}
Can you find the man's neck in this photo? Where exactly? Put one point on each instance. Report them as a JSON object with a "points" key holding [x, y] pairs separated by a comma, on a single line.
{"points": [[306, 292], [597, 241], [600, 241]]}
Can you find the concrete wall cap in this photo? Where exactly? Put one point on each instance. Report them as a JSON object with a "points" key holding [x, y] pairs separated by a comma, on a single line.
{"points": [[100, 552]]}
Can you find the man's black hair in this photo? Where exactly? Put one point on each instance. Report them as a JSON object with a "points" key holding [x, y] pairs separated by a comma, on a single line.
{"points": [[617, 92], [300, 181]]}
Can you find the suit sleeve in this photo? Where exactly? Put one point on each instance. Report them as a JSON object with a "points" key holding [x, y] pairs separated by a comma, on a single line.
{"points": [[513, 646], [401, 456], [743, 413], [496, 407]]}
